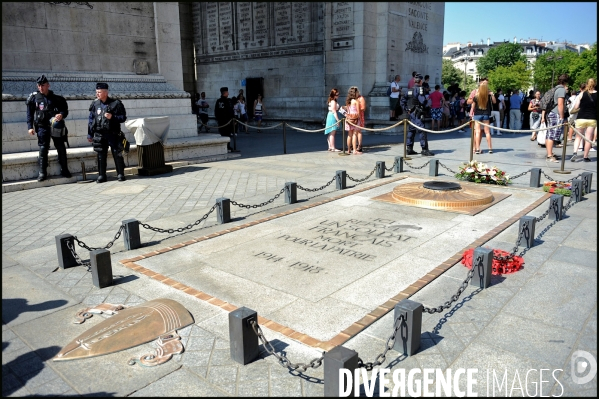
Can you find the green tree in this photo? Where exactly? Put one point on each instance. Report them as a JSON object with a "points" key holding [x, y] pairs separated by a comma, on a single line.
{"points": [[584, 67], [450, 74], [544, 71], [506, 55], [517, 76]]}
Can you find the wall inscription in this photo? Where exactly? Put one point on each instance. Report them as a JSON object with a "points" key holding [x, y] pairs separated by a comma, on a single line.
{"points": [[343, 19]]}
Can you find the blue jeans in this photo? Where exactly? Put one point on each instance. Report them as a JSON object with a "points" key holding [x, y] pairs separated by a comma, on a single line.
{"points": [[481, 118]]}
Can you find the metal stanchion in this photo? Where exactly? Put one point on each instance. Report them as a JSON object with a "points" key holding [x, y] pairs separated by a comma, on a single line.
{"points": [[562, 170], [83, 174], [284, 137], [471, 140], [405, 141], [342, 124], [234, 135]]}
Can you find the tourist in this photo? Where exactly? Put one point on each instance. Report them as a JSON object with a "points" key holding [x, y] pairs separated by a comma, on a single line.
{"points": [[501, 102], [524, 109], [572, 118], [436, 98], [426, 86], [203, 112], [223, 112], [454, 107], [515, 113], [446, 110], [586, 120], [495, 116], [416, 114], [411, 82], [259, 111], [353, 115], [556, 117], [508, 95], [473, 93], [241, 112], [462, 110], [394, 98], [482, 113], [535, 114], [333, 117], [362, 119]]}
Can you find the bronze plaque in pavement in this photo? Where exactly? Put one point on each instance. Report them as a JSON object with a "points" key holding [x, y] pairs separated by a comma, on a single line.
{"points": [[130, 327]]}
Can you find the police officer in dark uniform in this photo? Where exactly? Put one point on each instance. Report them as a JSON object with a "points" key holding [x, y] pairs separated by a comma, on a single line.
{"points": [[44, 109], [223, 112], [104, 129], [416, 107]]}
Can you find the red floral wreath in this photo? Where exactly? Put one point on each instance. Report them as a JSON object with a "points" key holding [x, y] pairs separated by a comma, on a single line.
{"points": [[499, 266]]}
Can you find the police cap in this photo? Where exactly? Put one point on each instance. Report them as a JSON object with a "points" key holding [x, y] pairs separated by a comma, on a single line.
{"points": [[42, 80], [101, 85], [223, 89]]}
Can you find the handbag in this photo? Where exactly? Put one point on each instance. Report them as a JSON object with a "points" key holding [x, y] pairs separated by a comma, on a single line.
{"points": [[124, 142], [542, 134]]}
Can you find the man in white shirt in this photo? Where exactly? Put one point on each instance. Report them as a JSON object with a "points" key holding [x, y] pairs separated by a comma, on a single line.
{"points": [[501, 100], [394, 98]]}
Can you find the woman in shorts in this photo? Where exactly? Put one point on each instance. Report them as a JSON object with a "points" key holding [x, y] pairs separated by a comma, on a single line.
{"points": [[586, 120], [259, 110]]}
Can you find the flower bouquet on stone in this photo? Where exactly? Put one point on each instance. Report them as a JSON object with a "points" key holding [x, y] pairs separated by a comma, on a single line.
{"points": [[558, 187], [499, 267], [479, 172]]}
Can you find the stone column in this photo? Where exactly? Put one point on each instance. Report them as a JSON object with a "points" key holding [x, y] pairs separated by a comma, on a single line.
{"points": [[168, 42]]}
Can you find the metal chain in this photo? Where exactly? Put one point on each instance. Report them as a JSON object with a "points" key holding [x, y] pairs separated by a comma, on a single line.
{"points": [[283, 360], [319, 188], [416, 167], [523, 233], [520, 175], [180, 229], [544, 215], [559, 181], [454, 297], [392, 166], [259, 205], [71, 247], [570, 203], [110, 244], [364, 179], [443, 166], [399, 323]]}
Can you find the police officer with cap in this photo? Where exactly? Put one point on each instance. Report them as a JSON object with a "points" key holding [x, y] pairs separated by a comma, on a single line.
{"points": [[223, 112], [46, 112], [104, 129], [416, 112]]}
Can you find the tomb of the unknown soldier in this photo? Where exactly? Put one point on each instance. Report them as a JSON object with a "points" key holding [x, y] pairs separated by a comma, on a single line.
{"points": [[261, 264]]}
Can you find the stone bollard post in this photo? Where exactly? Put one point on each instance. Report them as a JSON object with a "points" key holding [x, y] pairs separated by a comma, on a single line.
{"points": [[290, 193], [101, 268], [398, 165], [242, 338], [433, 167], [340, 180], [556, 206], [576, 190], [527, 226], [587, 179], [535, 177], [482, 263], [380, 169], [65, 256], [224, 210], [131, 236], [412, 323], [337, 359]]}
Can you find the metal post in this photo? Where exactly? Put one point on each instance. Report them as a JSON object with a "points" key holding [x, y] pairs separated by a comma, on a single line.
{"points": [[398, 165], [587, 179], [576, 190], [405, 140], [284, 138], [65, 256], [562, 170], [527, 229], [340, 180], [342, 124], [471, 140], [83, 174], [101, 268], [131, 236], [433, 167], [556, 205], [482, 262], [234, 135], [337, 359], [380, 169], [408, 343], [290, 193], [224, 210], [535, 177], [243, 340]]}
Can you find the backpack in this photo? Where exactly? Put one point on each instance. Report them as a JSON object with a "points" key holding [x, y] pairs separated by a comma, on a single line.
{"points": [[389, 90], [547, 102], [456, 105]]}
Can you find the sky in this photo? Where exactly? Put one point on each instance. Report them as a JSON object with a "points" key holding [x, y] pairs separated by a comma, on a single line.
{"points": [[536, 19]]}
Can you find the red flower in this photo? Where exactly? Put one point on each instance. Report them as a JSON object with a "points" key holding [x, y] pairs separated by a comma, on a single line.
{"points": [[499, 266]]}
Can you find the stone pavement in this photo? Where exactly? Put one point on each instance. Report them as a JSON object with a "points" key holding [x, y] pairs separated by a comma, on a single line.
{"points": [[533, 319]]}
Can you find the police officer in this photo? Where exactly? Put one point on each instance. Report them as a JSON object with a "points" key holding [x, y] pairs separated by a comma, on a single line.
{"points": [[416, 112], [45, 108], [223, 112], [104, 129]]}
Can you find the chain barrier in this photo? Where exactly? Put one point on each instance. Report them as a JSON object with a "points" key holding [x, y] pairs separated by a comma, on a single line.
{"points": [[376, 130], [259, 205], [110, 244], [416, 167], [316, 189], [390, 169], [438, 131], [361, 180], [582, 136], [447, 168], [520, 175], [524, 233], [570, 203], [520, 131], [87, 264], [454, 297], [315, 131], [180, 229], [400, 322], [217, 127], [566, 181], [283, 360], [260, 128]]}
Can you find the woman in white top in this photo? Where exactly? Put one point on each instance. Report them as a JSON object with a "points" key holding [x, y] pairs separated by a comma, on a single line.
{"points": [[333, 117], [240, 110], [259, 110]]}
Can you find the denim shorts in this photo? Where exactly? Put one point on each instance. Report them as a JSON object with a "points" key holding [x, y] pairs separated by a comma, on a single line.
{"points": [[481, 118]]}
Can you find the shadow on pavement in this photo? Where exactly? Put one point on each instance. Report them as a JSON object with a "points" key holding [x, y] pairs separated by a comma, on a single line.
{"points": [[12, 308]]}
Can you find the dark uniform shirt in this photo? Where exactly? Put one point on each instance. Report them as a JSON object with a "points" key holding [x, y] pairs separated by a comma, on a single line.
{"points": [[52, 104], [119, 115]]}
